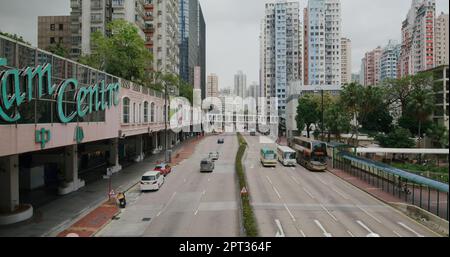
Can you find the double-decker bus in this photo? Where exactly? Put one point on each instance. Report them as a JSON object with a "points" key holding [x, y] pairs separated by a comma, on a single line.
{"points": [[286, 156], [268, 157], [311, 154]]}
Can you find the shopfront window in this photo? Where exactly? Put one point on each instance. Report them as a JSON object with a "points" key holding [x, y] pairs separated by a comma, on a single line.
{"points": [[152, 112]]}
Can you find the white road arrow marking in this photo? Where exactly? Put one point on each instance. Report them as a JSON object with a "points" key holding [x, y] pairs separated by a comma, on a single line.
{"points": [[371, 233], [325, 233], [280, 232], [410, 229]]}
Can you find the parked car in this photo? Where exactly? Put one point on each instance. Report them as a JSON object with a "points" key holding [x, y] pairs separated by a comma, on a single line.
{"points": [[221, 141], [214, 156], [207, 165], [152, 181], [164, 168]]}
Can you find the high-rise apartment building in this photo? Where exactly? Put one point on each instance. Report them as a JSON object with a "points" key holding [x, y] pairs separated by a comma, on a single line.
{"points": [[166, 51], [372, 73], [389, 60], [281, 47], [212, 89], [240, 84], [417, 51], [53, 30], [89, 16], [441, 39], [362, 72], [346, 60], [192, 36], [253, 91], [324, 42], [149, 26]]}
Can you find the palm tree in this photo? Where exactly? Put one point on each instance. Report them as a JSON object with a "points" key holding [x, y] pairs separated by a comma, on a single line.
{"points": [[421, 104]]}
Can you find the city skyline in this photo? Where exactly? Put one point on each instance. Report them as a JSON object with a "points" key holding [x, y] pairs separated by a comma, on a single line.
{"points": [[245, 26]]}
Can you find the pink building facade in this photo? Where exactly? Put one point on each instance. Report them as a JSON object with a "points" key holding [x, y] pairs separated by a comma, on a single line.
{"points": [[58, 124]]}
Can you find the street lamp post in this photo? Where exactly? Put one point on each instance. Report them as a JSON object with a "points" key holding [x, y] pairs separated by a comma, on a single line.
{"points": [[323, 136]]}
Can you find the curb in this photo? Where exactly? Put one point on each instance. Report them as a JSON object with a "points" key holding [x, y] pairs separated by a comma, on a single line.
{"points": [[390, 204]]}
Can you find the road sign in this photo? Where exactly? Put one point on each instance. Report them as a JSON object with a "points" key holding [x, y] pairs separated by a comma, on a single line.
{"points": [[244, 191], [112, 193]]}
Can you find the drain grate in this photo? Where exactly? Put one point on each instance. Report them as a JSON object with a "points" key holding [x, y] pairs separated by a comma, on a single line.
{"points": [[146, 219], [116, 218]]}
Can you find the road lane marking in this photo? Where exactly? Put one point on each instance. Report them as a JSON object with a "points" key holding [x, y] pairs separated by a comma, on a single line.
{"points": [[371, 233], [395, 232], [167, 205], [303, 234], [270, 181], [325, 233], [410, 229], [331, 215], [340, 193], [276, 191], [370, 215], [350, 233], [304, 189], [290, 214], [280, 232], [295, 180], [196, 211], [204, 192], [323, 182], [209, 180]]}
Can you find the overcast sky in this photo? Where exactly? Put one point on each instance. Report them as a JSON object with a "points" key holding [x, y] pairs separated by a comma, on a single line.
{"points": [[233, 28]]}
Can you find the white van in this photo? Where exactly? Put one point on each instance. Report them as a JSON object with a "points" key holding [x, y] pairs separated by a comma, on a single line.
{"points": [[152, 181]]}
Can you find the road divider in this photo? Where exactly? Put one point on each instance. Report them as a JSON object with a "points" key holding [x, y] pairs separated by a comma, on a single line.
{"points": [[249, 220]]}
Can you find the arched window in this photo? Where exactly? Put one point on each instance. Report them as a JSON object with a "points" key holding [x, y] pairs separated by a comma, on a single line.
{"points": [[134, 112], [140, 113], [152, 112], [126, 110], [145, 112]]}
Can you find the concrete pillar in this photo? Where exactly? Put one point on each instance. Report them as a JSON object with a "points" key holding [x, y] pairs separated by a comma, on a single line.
{"points": [[72, 183], [113, 157], [9, 183], [139, 149]]}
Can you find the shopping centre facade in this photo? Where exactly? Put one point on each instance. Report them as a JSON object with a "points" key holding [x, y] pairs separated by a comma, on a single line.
{"points": [[60, 121]]}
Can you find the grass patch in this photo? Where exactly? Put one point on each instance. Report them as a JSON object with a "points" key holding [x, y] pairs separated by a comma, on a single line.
{"points": [[430, 171], [250, 225]]}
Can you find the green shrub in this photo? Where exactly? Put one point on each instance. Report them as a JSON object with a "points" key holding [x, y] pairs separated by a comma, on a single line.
{"points": [[249, 220]]}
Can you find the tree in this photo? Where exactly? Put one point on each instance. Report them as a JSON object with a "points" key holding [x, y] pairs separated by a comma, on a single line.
{"points": [[122, 54], [337, 120], [378, 120], [307, 113], [352, 100], [398, 138], [439, 134], [58, 49], [398, 90], [421, 105], [15, 37]]}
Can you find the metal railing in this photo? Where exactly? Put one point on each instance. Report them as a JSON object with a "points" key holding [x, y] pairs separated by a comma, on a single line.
{"points": [[422, 192]]}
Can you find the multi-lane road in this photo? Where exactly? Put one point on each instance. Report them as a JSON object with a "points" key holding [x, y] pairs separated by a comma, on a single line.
{"points": [[288, 201], [190, 203], [294, 202]]}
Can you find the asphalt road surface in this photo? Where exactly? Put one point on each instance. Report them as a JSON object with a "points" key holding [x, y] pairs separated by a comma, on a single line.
{"points": [[294, 202], [190, 203]]}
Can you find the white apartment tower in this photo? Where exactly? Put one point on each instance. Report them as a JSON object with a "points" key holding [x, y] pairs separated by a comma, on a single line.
{"points": [[166, 52], [240, 84], [281, 50], [324, 42], [89, 16], [441, 39], [346, 60]]}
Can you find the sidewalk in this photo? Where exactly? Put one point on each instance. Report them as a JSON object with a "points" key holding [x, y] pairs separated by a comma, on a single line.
{"points": [[52, 218], [98, 218], [363, 185]]}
